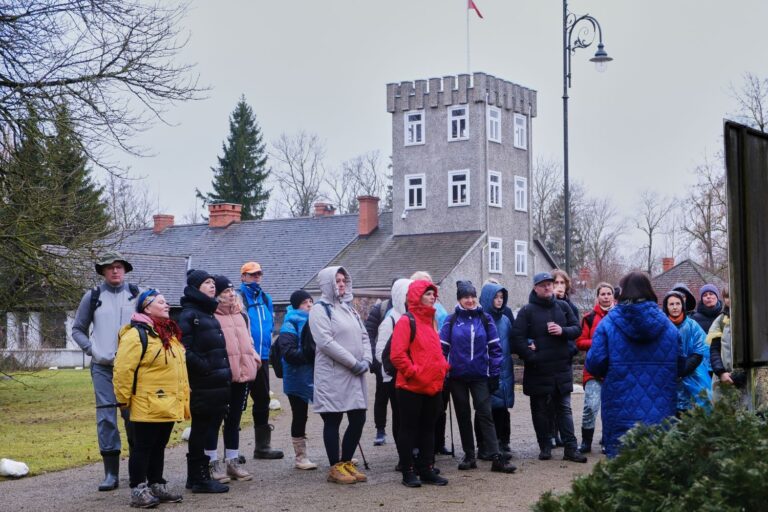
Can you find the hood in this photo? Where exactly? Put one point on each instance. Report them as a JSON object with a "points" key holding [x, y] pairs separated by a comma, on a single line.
{"points": [[415, 291], [193, 296], [690, 300], [295, 314], [673, 293], [487, 294], [326, 278], [399, 295], [640, 322]]}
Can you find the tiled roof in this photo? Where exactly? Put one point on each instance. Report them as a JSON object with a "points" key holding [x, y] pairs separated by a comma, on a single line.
{"points": [[374, 261], [692, 274], [165, 273], [290, 251]]}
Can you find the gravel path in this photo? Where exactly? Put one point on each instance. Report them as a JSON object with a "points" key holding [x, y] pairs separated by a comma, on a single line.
{"points": [[277, 486]]}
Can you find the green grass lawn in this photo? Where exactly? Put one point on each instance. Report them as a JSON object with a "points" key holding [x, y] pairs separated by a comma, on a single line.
{"points": [[48, 420]]}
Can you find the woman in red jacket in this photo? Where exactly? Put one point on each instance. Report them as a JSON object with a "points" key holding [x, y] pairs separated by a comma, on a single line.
{"points": [[421, 369], [591, 385]]}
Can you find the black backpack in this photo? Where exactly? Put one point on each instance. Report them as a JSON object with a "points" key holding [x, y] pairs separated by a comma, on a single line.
{"points": [[144, 341], [386, 361], [96, 294], [308, 345]]}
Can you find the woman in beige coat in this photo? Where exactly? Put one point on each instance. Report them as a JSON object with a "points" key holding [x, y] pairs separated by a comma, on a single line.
{"points": [[342, 360]]}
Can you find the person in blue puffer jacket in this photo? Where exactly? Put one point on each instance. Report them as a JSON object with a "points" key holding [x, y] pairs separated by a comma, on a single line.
{"points": [[258, 305], [635, 349], [298, 356], [493, 299], [471, 344]]}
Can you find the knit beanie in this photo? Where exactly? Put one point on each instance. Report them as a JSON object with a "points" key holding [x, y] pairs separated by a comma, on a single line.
{"points": [[298, 297], [465, 289], [709, 288], [195, 278], [222, 283]]}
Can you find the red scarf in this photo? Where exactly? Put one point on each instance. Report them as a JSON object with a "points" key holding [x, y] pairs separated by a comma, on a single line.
{"points": [[677, 320], [167, 329]]}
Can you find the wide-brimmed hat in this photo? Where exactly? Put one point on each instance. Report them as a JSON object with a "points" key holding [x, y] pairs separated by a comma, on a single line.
{"points": [[109, 258]]}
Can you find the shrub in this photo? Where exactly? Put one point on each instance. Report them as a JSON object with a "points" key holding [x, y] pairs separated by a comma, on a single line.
{"points": [[714, 461]]}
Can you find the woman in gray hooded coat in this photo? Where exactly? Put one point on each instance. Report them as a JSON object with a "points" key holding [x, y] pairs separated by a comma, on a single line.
{"points": [[342, 360]]}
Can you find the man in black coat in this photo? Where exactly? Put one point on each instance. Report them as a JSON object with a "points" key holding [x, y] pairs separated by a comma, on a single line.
{"points": [[548, 323]]}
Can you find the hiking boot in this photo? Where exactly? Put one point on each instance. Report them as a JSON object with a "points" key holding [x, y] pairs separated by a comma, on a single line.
{"points": [[199, 477], [468, 462], [300, 447], [142, 497], [218, 472], [442, 450], [410, 479], [430, 476], [111, 471], [586, 440], [381, 437], [165, 495], [356, 473], [338, 474], [574, 455], [236, 472], [484, 455], [500, 465], [545, 452], [263, 448], [505, 450]]}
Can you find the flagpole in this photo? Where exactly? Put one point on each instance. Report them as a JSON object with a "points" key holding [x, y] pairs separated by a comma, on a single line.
{"points": [[466, 8]]}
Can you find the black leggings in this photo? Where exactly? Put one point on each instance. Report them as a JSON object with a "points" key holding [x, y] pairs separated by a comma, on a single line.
{"points": [[331, 426], [259, 390], [147, 457], [299, 410]]}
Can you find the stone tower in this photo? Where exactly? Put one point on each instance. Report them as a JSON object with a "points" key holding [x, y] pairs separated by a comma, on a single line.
{"points": [[461, 161]]}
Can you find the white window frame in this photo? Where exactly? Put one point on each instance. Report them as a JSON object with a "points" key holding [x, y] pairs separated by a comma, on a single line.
{"points": [[451, 174], [495, 255], [521, 258], [458, 120], [409, 187], [498, 188], [520, 123], [521, 193], [494, 132], [407, 125]]}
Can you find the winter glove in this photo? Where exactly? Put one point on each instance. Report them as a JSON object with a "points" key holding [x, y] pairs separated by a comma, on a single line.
{"points": [[493, 384], [360, 367]]}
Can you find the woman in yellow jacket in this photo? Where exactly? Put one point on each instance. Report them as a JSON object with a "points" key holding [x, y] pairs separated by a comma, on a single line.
{"points": [[151, 382]]}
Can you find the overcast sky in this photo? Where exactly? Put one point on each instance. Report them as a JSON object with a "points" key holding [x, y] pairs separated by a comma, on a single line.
{"points": [[322, 66]]}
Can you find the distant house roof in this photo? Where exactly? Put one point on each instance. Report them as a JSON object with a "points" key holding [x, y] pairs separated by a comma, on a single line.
{"points": [[692, 274], [375, 260], [538, 244], [168, 274], [291, 251]]}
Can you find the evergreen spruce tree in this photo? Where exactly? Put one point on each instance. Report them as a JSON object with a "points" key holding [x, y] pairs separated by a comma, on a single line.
{"points": [[242, 171]]}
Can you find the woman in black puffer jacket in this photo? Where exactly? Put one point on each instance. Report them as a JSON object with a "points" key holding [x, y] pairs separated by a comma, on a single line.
{"points": [[209, 373]]}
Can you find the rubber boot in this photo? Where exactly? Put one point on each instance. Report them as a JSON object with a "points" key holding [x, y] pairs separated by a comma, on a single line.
{"points": [[586, 440], [111, 471], [300, 447], [263, 448]]}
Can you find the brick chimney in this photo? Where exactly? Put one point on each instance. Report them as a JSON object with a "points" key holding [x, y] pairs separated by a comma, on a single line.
{"points": [[368, 216], [161, 221], [585, 276], [221, 215], [324, 209], [667, 263]]}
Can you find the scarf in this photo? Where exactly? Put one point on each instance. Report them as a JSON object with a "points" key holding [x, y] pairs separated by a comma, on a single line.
{"points": [[167, 329], [255, 288], [677, 320]]}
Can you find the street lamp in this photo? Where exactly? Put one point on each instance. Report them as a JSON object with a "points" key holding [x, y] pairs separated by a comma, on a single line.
{"points": [[584, 37]]}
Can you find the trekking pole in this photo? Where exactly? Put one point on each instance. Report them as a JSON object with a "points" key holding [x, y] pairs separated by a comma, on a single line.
{"points": [[450, 423], [365, 462]]}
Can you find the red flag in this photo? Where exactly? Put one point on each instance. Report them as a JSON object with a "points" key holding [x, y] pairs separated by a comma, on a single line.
{"points": [[471, 5]]}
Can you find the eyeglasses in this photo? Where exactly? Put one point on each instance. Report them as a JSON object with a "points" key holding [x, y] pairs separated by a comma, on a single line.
{"points": [[256, 274]]}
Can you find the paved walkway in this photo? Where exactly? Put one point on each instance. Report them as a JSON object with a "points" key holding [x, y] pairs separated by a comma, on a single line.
{"points": [[277, 486]]}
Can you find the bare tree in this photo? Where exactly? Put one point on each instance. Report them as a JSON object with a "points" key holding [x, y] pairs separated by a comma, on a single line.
{"points": [[114, 63], [601, 239], [299, 171], [752, 101], [707, 210], [129, 203], [547, 177], [652, 211], [358, 176]]}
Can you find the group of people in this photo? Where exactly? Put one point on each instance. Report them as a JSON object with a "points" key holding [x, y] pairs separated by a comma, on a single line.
{"points": [[643, 364]]}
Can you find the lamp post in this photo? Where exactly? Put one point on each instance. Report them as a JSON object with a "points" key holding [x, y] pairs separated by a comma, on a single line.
{"points": [[584, 37]]}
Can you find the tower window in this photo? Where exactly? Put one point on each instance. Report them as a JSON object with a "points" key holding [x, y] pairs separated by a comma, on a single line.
{"points": [[494, 124], [494, 188], [521, 131], [458, 188], [458, 123], [521, 258], [414, 192], [521, 194], [414, 127], [494, 255]]}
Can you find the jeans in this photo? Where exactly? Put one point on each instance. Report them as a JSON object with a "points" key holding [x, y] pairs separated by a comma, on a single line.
{"points": [[540, 414], [417, 426], [481, 399], [148, 453], [259, 390], [591, 403]]}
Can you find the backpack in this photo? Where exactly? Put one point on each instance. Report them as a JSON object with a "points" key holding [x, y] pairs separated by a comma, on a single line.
{"points": [[589, 319], [308, 345], [96, 294], [452, 322], [386, 361], [142, 329]]}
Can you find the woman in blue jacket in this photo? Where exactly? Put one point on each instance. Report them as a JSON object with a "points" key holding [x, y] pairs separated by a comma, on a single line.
{"points": [[635, 350], [493, 299]]}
